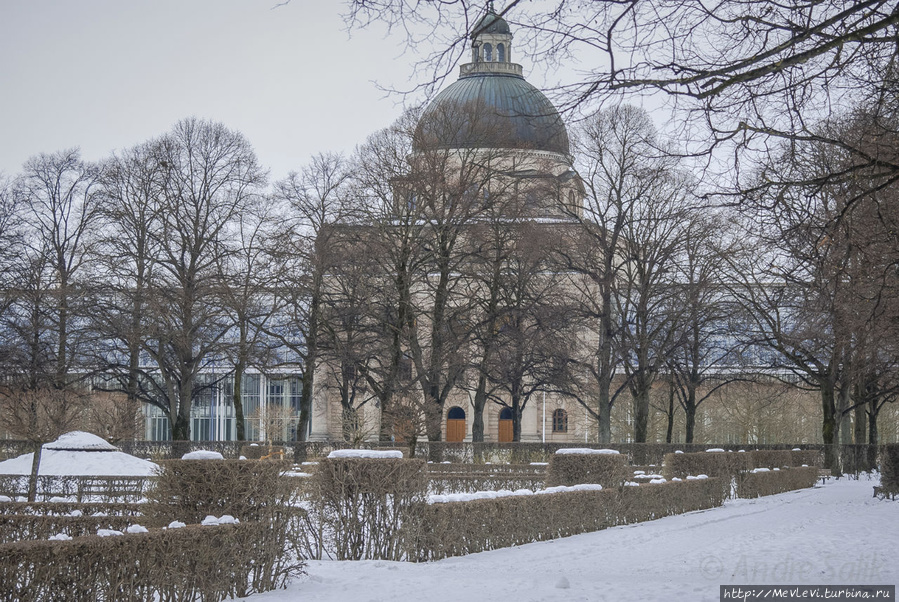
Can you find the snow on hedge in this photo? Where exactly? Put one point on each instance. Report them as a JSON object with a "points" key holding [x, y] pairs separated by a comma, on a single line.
{"points": [[203, 454], [225, 519], [585, 451], [492, 495], [366, 453]]}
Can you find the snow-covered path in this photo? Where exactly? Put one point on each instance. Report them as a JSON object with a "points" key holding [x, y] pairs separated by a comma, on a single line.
{"points": [[835, 534]]}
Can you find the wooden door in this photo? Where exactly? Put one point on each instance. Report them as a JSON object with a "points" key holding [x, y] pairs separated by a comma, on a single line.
{"points": [[455, 430], [506, 432]]}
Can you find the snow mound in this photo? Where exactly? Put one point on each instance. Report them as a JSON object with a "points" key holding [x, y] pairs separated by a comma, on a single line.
{"points": [[715, 449], [585, 451], [60, 537], [81, 441], [366, 453], [80, 454], [108, 532], [678, 451], [657, 481], [761, 470], [203, 454], [136, 529], [697, 477], [176, 524], [225, 519]]}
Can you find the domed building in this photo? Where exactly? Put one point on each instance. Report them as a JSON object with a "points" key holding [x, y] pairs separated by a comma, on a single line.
{"points": [[494, 139], [493, 109]]}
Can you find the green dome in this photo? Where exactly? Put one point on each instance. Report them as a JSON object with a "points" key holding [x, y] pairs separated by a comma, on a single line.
{"points": [[491, 110]]}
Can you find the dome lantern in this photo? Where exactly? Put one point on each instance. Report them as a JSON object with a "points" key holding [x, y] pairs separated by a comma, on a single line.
{"points": [[492, 106]]}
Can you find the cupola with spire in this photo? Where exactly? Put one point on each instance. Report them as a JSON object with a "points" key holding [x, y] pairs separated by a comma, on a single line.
{"points": [[491, 46]]}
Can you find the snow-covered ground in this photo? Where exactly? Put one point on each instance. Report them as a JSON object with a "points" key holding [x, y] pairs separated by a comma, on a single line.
{"points": [[836, 534]]}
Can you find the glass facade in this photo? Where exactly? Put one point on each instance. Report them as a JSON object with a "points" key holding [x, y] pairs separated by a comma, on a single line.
{"points": [[271, 406]]}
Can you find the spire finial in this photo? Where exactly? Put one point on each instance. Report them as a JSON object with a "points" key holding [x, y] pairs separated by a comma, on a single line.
{"points": [[490, 7]]}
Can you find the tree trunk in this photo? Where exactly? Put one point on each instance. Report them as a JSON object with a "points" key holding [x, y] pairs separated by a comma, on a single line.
{"points": [[517, 411], [859, 426], [641, 414], [829, 426], [480, 402], [670, 431], [35, 469], [690, 414], [309, 368], [237, 398]]}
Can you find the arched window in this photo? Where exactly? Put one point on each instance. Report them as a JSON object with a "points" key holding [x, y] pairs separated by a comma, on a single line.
{"points": [[560, 421], [505, 414], [456, 413], [501, 53], [572, 203], [488, 52]]}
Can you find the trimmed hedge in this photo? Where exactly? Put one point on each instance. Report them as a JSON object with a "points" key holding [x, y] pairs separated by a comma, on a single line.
{"points": [[770, 458], [66, 508], [807, 457], [81, 488], [758, 484], [889, 468], [608, 470], [361, 504], [728, 466], [24, 527], [195, 562], [189, 490], [458, 528], [470, 483]]}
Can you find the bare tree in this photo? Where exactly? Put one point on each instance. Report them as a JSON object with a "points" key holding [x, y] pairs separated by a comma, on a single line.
{"points": [[39, 416], [316, 201], [619, 255], [248, 292], [737, 73], [114, 416], [210, 177], [706, 357], [57, 194], [131, 192]]}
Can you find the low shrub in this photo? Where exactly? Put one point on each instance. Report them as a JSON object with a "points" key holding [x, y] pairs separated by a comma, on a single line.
{"points": [[807, 457], [758, 484], [458, 528], [266, 452], [79, 488], [468, 478], [195, 562], [771, 458], [189, 490], [469, 483], [67, 508], [28, 526], [360, 505], [889, 468], [713, 464], [608, 470]]}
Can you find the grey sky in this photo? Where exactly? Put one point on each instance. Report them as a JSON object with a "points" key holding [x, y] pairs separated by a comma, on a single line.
{"points": [[108, 74]]}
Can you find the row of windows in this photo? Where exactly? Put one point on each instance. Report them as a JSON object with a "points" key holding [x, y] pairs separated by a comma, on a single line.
{"points": [[487, 53], [559, 420]]}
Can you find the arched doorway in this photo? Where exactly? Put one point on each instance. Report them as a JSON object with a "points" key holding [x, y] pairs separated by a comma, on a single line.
{"points": [[506, 430], [455, 424]]}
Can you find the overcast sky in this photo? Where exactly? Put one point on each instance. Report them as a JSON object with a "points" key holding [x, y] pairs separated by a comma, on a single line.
{"points": [[108, 74]]}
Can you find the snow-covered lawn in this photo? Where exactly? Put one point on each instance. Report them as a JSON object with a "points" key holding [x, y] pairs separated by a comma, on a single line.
{"points": [[836, 534]]}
